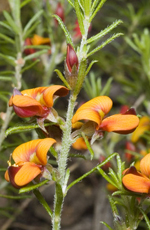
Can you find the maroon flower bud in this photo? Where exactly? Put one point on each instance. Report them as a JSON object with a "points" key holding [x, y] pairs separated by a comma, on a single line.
{"points": [[29, 50], [60, 11], [71, 58]]}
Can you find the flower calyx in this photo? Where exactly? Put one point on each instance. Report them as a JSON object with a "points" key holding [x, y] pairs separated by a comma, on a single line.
{"points": [[71, 66]]}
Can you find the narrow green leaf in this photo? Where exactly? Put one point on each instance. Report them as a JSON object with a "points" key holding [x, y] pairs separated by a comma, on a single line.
{"points": [[14, 197], [29, 66], [32, 20], [79, 16], [106, 88], [106, 225], [62, 78], [113, 206], [9, 59], [43, 201], [7, 38], [11, 22], [4, 78], [53, 152], [119, 165], [104, 32], [97, 9], [87, 7], [58, 199], [35, 55], [31, 29], [113, 175], [6, 26], [88, 145], [37, 47], [32, 187], [71, 3], [90, 66], [22, 128], [67, 34], [106, 177], [146, 218], [133, 46], [92, 170], [94, 5], [15, 9], [7, 72], [25, 2], [104, 43]]}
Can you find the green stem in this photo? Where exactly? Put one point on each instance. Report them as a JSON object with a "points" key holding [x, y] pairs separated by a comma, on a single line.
{"points": [[66, 141], [62, 164], [56, 218]]}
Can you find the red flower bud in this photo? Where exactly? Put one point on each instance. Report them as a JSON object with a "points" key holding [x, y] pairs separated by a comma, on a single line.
{"points": [[129, 146], [60, 11], [29, 50], [71, 58]]}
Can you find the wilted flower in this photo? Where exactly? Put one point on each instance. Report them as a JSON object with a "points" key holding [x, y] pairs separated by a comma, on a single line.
{"points": [[30, 161]]}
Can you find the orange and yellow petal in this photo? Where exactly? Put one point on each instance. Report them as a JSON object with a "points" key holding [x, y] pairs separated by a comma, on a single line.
{"points": [[50, 92], [23, 152], [136, 181], [144, 125], [145, 165], [26, 174], [38, 40], [101, 103], [42, 149], [79, 144], [33, 92], [120, 123], [87, 114], [24, 101]]}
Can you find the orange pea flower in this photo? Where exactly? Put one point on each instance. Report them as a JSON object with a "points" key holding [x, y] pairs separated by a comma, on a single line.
{"points": [[30, 161], [38, 40], [35, 40], [144, 125], [95, 111], [138, 181], [79, 144], [37, 101]]}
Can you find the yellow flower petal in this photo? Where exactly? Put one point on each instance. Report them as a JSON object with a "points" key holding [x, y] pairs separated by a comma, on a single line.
{"points": [[144, 125], [38, 40], [145, 165]]}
